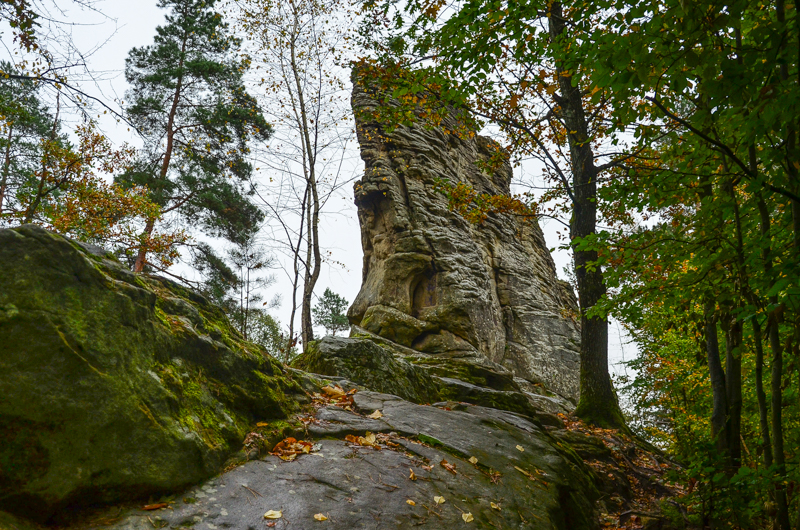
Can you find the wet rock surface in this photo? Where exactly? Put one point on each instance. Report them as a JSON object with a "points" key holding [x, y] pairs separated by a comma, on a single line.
{"points": [[433, 282], [380, 365], [520, 468]]}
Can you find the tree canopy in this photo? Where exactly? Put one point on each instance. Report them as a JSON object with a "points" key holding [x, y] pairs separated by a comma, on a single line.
{"points": [[187, 94]]}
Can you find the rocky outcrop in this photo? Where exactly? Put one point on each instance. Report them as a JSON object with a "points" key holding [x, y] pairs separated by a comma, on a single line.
{"points": [[436, 284], [375, 364], [132, 391], [113, 384]]}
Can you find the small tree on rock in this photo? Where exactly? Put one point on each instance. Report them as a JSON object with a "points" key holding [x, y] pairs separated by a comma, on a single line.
{"points": [[330, 312]]}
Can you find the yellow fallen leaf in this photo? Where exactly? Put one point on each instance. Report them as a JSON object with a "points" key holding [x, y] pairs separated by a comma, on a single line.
{"points": [[411, 475], [520, 448], [262, 424], [494, 506], [438, 500], [320, 517], [273, 514], [412, 503], [370, 438], [467, 517], [375, 415], [473, 460]]}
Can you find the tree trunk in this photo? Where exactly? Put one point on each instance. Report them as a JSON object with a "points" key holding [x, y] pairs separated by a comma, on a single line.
{"points": [[773, 331], [313, 207], [777, 420], [763, 415], [733, 392], [598, 402], [141, 257], [719, 412], [6, 167]]}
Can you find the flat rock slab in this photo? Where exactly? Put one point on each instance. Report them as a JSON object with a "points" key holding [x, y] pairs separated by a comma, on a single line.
{"points": [[530, 478]]}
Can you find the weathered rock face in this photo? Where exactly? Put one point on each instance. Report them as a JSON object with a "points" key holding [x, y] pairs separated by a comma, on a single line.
{"points": [[441, 286], [114, 384]]}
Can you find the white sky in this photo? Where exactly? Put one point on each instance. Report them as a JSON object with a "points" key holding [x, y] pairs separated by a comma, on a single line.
{"points": [[126, 24]]}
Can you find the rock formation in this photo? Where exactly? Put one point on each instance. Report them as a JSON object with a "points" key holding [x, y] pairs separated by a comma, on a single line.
{"points": [[122, 390], [436, 284], [113, 384]]}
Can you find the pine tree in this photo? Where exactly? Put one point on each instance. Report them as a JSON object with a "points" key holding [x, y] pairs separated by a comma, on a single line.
{"points": [[188, 99], [24, 123], [330, 312]]}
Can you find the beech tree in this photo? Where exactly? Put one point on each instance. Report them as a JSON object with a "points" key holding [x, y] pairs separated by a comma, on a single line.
{"points": [[188, 99], [711, 83]]}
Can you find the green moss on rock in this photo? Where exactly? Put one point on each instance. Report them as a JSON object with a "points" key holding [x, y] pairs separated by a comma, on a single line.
{"points": [[365, 363], [115, 383]]}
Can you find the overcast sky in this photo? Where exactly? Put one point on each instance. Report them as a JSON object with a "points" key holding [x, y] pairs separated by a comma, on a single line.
{"points": [[125, 24]]}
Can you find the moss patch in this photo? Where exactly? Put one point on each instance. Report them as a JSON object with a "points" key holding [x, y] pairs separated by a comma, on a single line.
{"points": [[118, 384]]}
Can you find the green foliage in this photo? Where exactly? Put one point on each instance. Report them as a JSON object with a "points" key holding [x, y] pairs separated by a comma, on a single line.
{"points": [[330, 312], [24, 123], [706, 238]]}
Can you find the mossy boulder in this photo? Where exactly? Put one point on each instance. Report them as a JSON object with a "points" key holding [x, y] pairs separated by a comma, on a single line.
{"points": [[365, 363], [115, 384]]}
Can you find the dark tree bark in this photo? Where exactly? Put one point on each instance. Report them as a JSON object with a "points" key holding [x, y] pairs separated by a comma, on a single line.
{"points": [[773, 332], [733, 392], [598, 403], [719, 410]]}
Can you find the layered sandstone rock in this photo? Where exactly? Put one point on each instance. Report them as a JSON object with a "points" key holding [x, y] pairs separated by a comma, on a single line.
{"points": [[436, 284]]}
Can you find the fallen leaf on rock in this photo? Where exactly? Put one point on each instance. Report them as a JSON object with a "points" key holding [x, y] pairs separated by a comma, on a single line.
{"points": [[467, 517], [288, 448], [368, 440], [334, 391], [375, 415], [411, 475], [412, 503], [520, 448], [450, 467], [334, 394], [473, 460], [273, 514], [320, 517], [494, 506], [158, 506], [427, 468], [438, 500]]}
